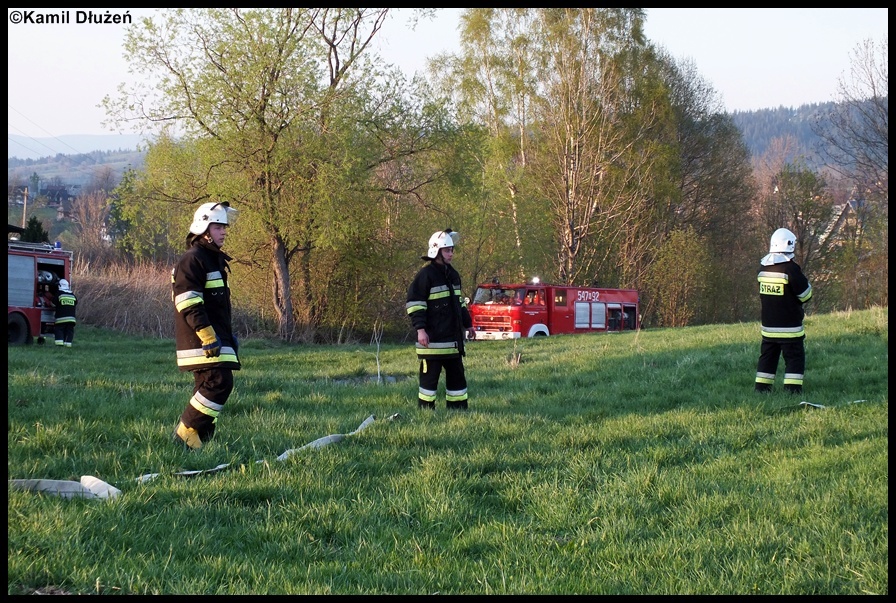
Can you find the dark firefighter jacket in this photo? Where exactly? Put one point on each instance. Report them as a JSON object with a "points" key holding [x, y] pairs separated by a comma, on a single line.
{"points": [[66, 304], [783, 289], [201, 298], [435, 303]]}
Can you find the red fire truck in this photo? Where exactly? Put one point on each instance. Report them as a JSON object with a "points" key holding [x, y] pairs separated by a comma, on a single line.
{"points": [[509, 311], [34, 271]]}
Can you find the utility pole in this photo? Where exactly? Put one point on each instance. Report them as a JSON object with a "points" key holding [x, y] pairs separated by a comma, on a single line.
{"points": [[25, 207]]}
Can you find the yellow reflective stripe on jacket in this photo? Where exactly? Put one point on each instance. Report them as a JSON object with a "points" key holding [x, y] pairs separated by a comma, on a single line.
{"points": [[415, 306], [439, 292], [214, 280], [438, 349], [196, 357], [187, 300], [773, 277], [783, 332]]}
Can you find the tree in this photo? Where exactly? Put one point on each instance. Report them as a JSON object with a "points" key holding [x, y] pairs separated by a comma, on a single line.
{"points": [[801, 202], [35, 231], [90, 213], [554, 88], [856, 131], [102, 180], [703, 186], [856, 140], [595, 154], [492, 83], [35, 184], [679, 277], [267, 111], [142, 227]]}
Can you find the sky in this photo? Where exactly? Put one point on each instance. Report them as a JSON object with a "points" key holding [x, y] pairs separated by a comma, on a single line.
{"points": [[755, 58]]}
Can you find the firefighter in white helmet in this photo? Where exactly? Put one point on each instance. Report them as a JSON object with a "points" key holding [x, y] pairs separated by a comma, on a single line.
{"points": [[66, 303], [783, 289], [439, 314], [206, 344]]}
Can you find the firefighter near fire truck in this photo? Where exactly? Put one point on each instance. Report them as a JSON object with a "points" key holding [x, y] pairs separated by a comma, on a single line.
{"points": [[439, 315], [66, 310], [783, 289], [34, 271], [206, 344]]}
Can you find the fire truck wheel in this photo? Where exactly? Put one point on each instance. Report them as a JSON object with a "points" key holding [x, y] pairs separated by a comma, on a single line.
{"points": [[17, 332]]}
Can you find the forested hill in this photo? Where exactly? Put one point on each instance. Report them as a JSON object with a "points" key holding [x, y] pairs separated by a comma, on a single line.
{"points": [[75, 169], [760, 127]]}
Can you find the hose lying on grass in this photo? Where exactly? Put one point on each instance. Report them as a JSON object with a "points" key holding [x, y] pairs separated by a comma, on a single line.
{"points": [[93, 487]]}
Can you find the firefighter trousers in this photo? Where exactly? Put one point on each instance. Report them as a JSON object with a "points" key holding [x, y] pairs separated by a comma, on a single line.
{"points": [[794, 353], [64, 332], [211, 389], [455, 382]]}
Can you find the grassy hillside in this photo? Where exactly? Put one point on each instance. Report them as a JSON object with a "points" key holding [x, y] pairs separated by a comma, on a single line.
{"points": [[629, 463]]}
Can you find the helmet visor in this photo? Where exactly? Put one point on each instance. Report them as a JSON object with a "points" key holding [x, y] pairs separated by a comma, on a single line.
{"points": [[222, 213]]}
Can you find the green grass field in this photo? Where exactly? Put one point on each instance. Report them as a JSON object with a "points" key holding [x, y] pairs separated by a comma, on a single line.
{"points": [[628, 463]]}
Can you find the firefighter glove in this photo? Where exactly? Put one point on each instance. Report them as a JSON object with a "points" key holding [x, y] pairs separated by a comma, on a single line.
{"points": [[211, 345]]}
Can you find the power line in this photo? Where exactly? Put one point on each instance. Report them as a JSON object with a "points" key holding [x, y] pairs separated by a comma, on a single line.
{"points": [[49, 134]]}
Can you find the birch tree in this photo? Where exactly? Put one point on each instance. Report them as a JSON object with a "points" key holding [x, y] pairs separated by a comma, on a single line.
{"points": [[555, 87]]}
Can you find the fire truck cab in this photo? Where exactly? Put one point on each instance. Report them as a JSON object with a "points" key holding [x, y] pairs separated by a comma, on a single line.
{"points": [[34, 271], [510, 311]]}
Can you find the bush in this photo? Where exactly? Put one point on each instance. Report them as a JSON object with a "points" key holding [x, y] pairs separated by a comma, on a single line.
{"points": [[136, 299]]}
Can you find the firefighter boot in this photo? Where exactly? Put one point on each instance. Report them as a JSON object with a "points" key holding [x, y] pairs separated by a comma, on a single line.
{"points": [[423, 404], [793, 389], [187, 436], [456, 405]]}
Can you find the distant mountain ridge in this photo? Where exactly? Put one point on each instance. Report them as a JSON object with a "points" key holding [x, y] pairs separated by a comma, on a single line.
{"points": [[24, 147], [758, 128]]}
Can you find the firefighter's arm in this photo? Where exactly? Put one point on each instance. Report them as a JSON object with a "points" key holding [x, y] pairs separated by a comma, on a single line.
{"points": [[189, 301], [802, 287], [188, 286], [416, 308], [468, 324]]}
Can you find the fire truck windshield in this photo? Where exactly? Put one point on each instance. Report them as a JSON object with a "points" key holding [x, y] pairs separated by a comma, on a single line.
{"points": [[498, 295]]}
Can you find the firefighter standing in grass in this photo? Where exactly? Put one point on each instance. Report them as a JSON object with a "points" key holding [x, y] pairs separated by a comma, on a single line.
{"points": [[66, 304], [783, 289], [203, 333], [440, 316]]}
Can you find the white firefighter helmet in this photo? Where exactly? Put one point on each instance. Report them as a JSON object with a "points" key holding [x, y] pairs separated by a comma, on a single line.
{"points": [[212, 213], [783, 241], [440, 240], [64, 286]]}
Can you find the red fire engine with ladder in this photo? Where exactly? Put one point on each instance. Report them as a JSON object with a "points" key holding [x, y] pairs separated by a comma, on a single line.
{"points": [[34, 271], [510, 311]]}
